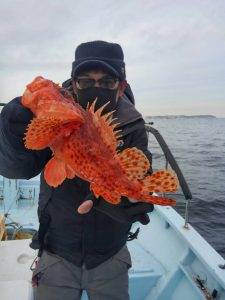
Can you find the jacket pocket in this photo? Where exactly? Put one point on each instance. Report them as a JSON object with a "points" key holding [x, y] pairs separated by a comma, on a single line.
{"points": [[124, 257], [46, 262]]}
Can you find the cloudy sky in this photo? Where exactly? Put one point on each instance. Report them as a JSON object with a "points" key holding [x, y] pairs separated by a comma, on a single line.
{"points": [[174, 49]]}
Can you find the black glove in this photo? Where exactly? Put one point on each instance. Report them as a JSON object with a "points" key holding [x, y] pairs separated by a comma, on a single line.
{"points": [[15, 119], [125, 211]]}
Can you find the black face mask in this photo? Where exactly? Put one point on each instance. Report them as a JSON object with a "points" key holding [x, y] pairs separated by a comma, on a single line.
{"points": [[88, 95]]}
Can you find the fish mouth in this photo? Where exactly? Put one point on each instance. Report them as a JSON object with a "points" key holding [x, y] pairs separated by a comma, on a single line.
{"points": [[44, 98]]}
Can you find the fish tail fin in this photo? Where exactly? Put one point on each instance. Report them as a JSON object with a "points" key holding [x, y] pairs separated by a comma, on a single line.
{"points": [[56, 171], [158, 200], [161, 181]]}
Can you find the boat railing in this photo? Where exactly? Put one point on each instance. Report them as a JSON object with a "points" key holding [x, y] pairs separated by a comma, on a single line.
{"points": [[170, 160]]}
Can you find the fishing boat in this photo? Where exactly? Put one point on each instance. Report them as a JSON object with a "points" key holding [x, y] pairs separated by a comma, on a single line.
{"points": [[170, 259]]}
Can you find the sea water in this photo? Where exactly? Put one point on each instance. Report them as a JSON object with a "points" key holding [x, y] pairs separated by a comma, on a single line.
{"points": [[198, 145]]}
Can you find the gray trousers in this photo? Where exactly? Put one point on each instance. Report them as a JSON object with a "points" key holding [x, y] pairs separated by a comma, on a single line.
{"points": [[58, 279]]}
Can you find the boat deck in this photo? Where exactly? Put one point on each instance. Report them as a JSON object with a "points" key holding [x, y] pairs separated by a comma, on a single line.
{"points": [[168, 261]]}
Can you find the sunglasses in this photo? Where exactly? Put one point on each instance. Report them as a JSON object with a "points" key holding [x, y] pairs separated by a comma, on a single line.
{"points": [[107, 83]]}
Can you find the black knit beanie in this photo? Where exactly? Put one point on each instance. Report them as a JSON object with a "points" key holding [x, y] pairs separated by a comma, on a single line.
{"points": [[99, 54]]}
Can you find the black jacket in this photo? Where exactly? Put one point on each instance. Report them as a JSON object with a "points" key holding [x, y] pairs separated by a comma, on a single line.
{"points": [[91, 238]]}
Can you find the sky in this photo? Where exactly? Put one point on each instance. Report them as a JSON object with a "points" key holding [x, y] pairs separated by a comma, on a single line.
{"points": [[174, 49]]}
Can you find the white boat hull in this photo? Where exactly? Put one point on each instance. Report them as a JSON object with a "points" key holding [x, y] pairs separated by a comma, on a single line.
{"points": [[167, 260]]}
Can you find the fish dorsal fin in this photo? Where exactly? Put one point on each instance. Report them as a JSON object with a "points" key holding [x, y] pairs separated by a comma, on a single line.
{"points": [[105, 126], [41, 132], [133, 163]]}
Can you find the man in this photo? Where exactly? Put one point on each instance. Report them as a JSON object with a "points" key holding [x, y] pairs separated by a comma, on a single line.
{"points": [[82, 249]]}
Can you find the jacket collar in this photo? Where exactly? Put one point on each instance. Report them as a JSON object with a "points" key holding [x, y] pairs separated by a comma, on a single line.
{"points": [[126, 112]]}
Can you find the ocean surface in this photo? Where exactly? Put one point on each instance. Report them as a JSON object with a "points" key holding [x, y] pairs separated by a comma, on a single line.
{"points": [[198, 145]]}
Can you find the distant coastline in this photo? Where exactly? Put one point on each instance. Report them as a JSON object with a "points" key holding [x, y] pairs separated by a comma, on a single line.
{"points": [[181, 116]]}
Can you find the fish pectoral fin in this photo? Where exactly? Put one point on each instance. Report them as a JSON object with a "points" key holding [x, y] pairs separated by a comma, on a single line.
{"points": [[110, 196], [133, 163], [41, 132], [56, 171], [161, 181]]}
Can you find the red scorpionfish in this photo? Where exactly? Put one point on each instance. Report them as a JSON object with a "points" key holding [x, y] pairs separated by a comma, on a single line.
{"points": [[84, 144]]}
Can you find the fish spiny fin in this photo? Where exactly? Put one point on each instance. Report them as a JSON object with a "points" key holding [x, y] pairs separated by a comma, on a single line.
{"points": [[110, 196], [104, 126], [41, 132], [55, 172], [133, 163], [161, 181]]}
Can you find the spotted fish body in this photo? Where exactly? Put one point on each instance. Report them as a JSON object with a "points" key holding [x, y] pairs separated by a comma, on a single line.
{"points": [[84, 144]]}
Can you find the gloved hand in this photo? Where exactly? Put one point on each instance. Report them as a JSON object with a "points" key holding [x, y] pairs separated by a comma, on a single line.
{"points": [[15, 119], [125, 211]]}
